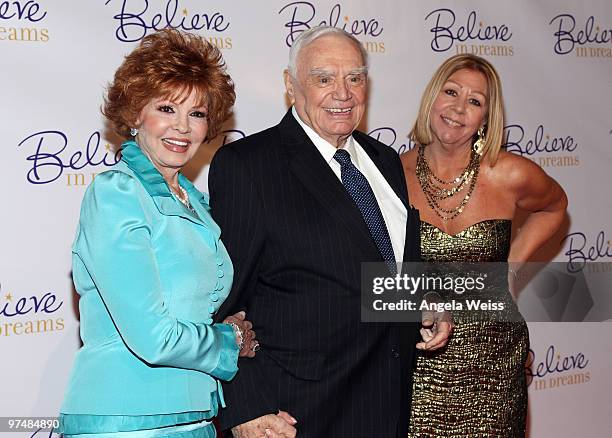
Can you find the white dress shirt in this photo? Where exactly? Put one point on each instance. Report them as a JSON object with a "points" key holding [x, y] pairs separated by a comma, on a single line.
{"points": [[393, 210]]}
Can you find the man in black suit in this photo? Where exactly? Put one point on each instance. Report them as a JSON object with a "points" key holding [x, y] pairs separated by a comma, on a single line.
{"points": [[298, 220]]}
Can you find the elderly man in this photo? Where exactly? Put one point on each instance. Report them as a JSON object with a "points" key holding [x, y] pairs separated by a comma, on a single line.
{"points": [[301, 205]]}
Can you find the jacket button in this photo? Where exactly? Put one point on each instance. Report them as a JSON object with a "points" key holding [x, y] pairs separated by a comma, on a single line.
{"points": [[209, 321], [395, 354], [214, 297]]}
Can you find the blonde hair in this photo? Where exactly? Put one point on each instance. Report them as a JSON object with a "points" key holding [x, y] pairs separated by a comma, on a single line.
{"points": [[421, 131]]}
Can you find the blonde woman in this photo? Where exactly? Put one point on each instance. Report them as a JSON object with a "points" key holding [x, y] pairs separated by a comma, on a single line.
{"points": [[467, 191]]}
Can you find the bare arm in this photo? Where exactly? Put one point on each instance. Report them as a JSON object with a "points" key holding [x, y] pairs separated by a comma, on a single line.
{"points": [[544, 200]]}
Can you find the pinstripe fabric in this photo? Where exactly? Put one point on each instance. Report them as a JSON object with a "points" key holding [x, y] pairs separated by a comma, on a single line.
{"points": [[297, 241]]}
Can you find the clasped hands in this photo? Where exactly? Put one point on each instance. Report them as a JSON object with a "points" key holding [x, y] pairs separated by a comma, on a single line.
{"points": [[279, 425], [435, 331], [245, 336]]}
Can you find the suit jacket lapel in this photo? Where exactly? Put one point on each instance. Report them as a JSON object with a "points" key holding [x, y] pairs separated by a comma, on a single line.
{"points": [[315, 174]]}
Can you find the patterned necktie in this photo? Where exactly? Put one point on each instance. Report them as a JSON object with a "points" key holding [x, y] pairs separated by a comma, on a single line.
{"points": [[358, 187]]}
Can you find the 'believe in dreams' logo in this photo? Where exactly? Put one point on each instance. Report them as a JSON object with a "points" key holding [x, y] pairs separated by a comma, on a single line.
{"points": [[567, 36], [136, 19], [53, 157], [50, 158], [516, 141], [41, 311], [446, 31], [19, 10], [388, 136], [21, 21], [554, 369], [582, 250], [303, 16]]}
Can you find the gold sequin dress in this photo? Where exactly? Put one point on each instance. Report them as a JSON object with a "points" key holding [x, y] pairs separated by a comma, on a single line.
{"points": [[475, 387]]}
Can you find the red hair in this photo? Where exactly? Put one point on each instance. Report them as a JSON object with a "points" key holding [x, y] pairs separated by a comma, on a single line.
{"points": [[170, 64]]}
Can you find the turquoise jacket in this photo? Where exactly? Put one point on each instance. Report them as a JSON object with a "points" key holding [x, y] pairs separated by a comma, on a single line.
{"points": [[151, 274]]}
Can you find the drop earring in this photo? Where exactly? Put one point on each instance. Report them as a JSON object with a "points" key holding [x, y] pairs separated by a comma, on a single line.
{"points": [[480, 143]]}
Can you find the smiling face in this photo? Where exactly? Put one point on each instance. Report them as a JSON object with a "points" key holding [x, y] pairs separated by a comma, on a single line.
{"points": [[460, 108], [330, 91], [170, 133]]}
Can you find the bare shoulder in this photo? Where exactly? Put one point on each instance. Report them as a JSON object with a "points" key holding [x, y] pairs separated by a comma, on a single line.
{"points": [[516, 171], [529, 183], [508, 161]]}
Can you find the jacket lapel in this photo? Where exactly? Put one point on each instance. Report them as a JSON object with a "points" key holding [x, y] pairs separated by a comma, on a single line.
{"points": [[314, 173]]}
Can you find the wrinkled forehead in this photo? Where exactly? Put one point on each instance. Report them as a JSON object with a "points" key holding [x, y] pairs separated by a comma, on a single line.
{"points": [[331, 52]]}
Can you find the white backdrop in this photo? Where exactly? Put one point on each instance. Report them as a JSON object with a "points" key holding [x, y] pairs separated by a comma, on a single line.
{"points": [[555, 59]]}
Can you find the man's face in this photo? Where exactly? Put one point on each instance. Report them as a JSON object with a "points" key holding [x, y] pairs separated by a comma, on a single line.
{"points": [[330, 91]]}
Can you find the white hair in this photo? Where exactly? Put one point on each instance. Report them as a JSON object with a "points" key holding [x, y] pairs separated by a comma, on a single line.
{"points": [[312, 34]]}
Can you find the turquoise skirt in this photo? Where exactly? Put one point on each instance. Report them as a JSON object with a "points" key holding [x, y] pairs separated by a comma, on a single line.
{"points": [[201, 429]]}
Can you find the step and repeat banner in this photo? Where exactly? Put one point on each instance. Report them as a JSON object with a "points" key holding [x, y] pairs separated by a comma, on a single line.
{"points": [[57, 56]]}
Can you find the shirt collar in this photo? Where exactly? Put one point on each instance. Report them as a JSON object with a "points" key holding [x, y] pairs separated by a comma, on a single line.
{"points": [[326, 149]]}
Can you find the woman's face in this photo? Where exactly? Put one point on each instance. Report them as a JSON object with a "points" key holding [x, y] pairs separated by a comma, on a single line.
{"points": [[460, 108], [170, 133]]}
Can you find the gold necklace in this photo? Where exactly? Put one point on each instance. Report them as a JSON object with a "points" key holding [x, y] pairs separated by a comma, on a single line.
{"points": [[434, 190]]}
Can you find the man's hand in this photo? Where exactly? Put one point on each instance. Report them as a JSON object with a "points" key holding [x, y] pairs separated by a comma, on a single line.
{"points": [[437, 326], [250, 345], [267, 426]]}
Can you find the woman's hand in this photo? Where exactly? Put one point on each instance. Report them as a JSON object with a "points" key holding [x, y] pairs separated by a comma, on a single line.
{"points": [[245, 336]]}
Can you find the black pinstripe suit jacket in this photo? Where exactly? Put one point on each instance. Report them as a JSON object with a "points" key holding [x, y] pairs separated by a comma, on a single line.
{"points": [[297, 240]]}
